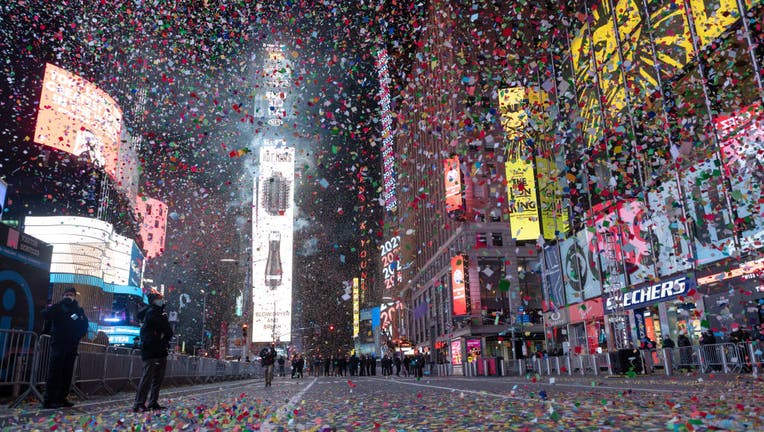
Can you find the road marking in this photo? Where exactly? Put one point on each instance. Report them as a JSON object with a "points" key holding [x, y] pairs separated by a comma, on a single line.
{"points": [[284, 409]]}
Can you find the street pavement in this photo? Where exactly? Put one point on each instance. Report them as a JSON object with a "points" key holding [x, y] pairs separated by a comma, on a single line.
{"points": [[530, 403]]}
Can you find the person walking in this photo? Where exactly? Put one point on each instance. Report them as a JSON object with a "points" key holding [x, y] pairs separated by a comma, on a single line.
{"points": [[156, 334], [282, 368], [267, 360], [66, 324]]}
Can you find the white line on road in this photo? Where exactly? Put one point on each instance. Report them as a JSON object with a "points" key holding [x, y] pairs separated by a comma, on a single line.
{"points": [[284, 409]]}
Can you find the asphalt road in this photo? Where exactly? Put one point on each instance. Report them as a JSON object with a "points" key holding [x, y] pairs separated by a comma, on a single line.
{"points": [[686, 403]]}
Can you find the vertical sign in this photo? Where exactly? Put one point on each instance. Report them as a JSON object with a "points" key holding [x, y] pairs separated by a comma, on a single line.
{"points": [[356, 308], [458, 286], [453, 182], [386, 120], [523, 208]]}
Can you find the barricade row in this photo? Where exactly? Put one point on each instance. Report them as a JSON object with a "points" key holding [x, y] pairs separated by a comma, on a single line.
{"points": [[99, 369], [718, 358]]}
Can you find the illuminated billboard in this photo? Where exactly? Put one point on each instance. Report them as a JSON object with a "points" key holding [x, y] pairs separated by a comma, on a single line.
{"points": [[356, 308], [554, 216], [523, 207], [77, 117], [273, 225], [390, 252], [152, 215], [459, 286], [453, 184], [386, 121], [88, 247], [669, 41], [271, 102]]}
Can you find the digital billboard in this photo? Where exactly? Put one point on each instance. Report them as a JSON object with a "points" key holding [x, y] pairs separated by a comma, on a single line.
{"points": [[89, 247], [79, 244], [459, 286], [670, 36], [554, 216], [272, 257], [356, 308], [152, 215], [271, 102], [24, 280], [77, 117], [523, 206], [3, 193], [453, 185], [386, 122], [390, 252]]}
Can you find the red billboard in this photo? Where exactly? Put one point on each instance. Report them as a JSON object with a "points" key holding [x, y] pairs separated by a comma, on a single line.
{"points": [[453, 182], [152, 214], [458, 285], [77, 117]]}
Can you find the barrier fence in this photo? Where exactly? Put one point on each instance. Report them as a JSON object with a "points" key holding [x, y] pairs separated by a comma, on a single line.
{"points": [[99, 369], [719, 358]]}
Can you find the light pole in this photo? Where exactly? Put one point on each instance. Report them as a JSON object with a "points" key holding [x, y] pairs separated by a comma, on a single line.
{"points": [[204, 320]]}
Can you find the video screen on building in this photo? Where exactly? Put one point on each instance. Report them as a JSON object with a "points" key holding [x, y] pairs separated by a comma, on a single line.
{"points": [[273, 224], [77, 117]]}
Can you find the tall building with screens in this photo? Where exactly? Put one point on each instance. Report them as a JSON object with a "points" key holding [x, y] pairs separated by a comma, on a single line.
{"points": [[272, 243]]}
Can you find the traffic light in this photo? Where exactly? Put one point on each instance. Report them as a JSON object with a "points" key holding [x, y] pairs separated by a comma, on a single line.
{"points": [[244, 328], [331, 327]]}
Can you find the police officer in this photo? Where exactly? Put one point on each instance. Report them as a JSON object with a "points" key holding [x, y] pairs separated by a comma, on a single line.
{"points": [[156, 334], [66, 323]]}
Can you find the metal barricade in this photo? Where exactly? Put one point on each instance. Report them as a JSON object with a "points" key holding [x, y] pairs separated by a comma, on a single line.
{"points": [[17, 348]]}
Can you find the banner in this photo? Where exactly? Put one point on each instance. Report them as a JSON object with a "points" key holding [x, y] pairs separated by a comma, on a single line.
{"points": [[523, 207], [554, 217], [453, 184], [554, 286], [459, 286]]}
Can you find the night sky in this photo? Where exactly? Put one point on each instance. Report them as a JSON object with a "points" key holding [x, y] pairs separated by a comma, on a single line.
{"points": [[198, 65]]}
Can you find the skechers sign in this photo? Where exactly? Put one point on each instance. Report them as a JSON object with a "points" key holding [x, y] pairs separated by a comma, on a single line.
{"points": [[649, 294]]}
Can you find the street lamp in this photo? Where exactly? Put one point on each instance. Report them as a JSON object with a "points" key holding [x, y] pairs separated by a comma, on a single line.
{"points": [[204, 320]]}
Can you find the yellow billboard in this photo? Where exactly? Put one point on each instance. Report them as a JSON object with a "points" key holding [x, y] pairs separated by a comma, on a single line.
{"points": [[523, 208], [554, 217], [594, 50], [356, 308]]}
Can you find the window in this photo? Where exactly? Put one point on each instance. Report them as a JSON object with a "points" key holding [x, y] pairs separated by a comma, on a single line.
{"points": [[496, 239]]}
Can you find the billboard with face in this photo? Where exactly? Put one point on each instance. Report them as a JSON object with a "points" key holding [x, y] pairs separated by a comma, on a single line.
{"points": [[77, 117], [272, 225], [459, 286], [453, 185]]}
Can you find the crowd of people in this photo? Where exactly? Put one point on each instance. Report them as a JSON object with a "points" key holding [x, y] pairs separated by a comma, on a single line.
{"points": [[342, 365]]}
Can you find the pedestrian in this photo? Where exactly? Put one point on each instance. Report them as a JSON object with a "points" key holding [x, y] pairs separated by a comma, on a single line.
{"points": [[66, 324], [300, 365], [267, 359], [397, 362], [281, 362], [294, 365], [156, 334]]}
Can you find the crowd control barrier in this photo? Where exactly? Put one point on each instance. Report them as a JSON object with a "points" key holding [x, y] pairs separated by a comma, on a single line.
{"points": [[99, 369], [746, 357]]}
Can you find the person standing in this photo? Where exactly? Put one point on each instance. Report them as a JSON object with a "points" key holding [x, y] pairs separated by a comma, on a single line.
{"points": [[156, 334], [267, 360], [66, 323], [282, 368]]}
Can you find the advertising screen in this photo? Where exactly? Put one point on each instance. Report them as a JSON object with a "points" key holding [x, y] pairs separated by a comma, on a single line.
{"points": [[77, 117], [386, 121], [456, 352], [24, 279], [273, 225], [523, 207], [453, 184], [554, 217], [356, 307], [459, 286], [79, 244], [473, 349], [3, 193], [390, 251], [152, 215]]}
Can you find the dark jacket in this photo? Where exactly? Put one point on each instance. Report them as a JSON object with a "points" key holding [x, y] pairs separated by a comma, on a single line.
{"points": [[67, 324], [267, 356], [156, 332]]}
